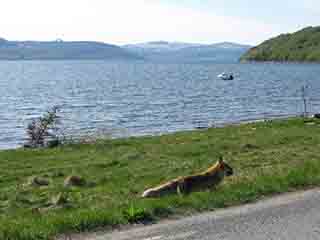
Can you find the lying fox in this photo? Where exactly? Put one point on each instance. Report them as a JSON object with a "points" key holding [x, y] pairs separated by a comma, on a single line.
{"points": [[184, 185]]}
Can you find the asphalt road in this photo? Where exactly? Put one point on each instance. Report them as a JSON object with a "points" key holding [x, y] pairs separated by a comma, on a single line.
{"points": [[290, 216]]}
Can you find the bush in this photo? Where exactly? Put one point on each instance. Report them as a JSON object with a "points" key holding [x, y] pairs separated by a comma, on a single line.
{"points": [[44, 131]]}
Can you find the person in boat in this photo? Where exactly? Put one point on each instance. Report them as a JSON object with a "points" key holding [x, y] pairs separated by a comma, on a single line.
{"points": [[225, 76]]}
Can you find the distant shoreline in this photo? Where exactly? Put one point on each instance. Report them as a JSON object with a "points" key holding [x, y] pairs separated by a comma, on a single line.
{"points": [[278, 62]]}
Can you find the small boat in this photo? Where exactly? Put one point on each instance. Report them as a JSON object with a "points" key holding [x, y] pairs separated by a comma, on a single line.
{"points": [[225, 76]]}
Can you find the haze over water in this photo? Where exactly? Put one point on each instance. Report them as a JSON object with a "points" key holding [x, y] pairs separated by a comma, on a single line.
{"points": [[135, 98]]}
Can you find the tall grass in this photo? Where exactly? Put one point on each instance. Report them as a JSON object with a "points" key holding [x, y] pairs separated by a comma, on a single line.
{"points": [[268, 158]]}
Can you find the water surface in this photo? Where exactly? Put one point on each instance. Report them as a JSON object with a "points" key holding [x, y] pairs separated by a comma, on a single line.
{"points": [[135, 98]]}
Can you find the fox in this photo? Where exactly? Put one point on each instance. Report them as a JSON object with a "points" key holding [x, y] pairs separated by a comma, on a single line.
{"points": [[185, 185]]}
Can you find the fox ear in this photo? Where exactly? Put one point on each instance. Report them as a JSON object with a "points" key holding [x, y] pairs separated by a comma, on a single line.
{"points": [[220, 159]]}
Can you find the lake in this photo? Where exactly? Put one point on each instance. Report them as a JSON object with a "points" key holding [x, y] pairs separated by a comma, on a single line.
{"points": [[135, 98]]}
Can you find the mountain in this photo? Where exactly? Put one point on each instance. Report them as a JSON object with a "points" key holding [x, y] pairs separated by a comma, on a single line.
{"points": [[57, 50], [159, 46], [301, 46], [230, 45], [157, 51], [177, 52]]}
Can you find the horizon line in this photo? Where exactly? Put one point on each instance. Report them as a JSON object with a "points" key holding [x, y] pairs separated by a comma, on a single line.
{"points": [[125, 44]]}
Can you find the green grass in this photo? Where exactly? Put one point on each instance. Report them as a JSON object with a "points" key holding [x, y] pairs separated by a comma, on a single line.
{"points": [[267, 157]]}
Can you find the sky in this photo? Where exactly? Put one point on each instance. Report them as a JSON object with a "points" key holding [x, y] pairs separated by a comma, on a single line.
{"points": [[132, 21]]}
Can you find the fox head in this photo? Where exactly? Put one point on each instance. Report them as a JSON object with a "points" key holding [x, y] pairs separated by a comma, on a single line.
{"points": [[228, 171]]}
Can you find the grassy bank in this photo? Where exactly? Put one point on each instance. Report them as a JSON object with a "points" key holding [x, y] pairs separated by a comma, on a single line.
{"points": [[267, 157]]}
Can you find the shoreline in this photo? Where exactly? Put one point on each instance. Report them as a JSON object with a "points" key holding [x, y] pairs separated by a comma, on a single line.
{"points": [[220, 124]]}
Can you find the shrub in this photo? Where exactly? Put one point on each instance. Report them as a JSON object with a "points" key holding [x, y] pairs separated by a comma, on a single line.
{"points": [[44, 131]]}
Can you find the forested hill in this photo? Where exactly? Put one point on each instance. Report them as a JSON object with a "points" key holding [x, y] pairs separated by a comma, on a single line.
{"points": [[301, 46], [57, 50]]}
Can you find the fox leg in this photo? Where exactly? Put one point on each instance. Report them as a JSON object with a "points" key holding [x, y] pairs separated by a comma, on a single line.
{"points": [[182, 188], [179, 191]]}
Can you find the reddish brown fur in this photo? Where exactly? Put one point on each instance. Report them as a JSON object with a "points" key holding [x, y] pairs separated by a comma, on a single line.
{"points": [[204, 180]]}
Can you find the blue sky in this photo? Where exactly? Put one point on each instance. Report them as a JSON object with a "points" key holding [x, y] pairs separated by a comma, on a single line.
{"points": [[127, 21]]}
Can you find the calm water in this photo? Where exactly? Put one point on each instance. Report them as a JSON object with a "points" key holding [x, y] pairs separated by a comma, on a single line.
{"points": [[125, 99]]}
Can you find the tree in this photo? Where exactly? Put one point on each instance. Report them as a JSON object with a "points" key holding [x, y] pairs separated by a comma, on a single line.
{"points": [[44, 131]]}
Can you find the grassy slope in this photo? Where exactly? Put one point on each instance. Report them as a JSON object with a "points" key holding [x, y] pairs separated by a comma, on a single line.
{"points": [[301, 46], [269, 157]]}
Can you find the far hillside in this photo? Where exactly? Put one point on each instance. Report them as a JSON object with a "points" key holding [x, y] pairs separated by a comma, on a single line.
{"points": [[301, 46], [181, 52], [61, 50]]}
